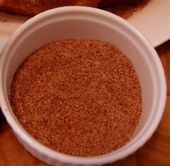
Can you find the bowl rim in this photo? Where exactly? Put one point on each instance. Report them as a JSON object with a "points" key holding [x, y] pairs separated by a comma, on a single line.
{"points": [[102, 159]]}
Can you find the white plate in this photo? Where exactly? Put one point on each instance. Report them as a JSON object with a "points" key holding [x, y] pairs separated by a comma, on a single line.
{"points": [[153, 22]]}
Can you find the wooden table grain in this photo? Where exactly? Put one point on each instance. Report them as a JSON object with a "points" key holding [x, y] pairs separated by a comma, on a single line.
{"points": [[156, 152]]}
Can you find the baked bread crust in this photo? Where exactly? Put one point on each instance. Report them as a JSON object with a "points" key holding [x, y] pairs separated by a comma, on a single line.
{"points": [[33, 7]]}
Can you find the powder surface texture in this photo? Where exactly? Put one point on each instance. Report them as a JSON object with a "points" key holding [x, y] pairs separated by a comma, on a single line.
{"points": [[78, 97]]}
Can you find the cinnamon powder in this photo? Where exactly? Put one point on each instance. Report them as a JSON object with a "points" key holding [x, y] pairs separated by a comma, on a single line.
{"points": [[79, 97]]}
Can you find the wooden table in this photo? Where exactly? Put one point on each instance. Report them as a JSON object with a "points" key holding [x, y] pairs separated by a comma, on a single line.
{"points": [[156, 152]]}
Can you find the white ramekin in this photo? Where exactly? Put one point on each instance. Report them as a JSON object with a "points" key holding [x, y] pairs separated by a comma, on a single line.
{"points": [[85, 23]]}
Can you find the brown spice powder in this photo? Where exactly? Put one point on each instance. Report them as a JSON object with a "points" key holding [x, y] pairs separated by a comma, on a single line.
{"points": [[79, 97]]}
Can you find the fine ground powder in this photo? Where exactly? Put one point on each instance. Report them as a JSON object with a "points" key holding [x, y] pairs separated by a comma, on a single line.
{"points": [[79, 97]]}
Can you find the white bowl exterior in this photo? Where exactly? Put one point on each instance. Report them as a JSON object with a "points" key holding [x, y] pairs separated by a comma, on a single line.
{"points": [[85, 23]]}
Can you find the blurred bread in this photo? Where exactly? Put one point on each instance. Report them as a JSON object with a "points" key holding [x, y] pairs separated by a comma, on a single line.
{"points": [[33, 7]]}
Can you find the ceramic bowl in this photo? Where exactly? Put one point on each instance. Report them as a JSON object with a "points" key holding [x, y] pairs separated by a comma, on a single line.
{"points": [[85, 23]]}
